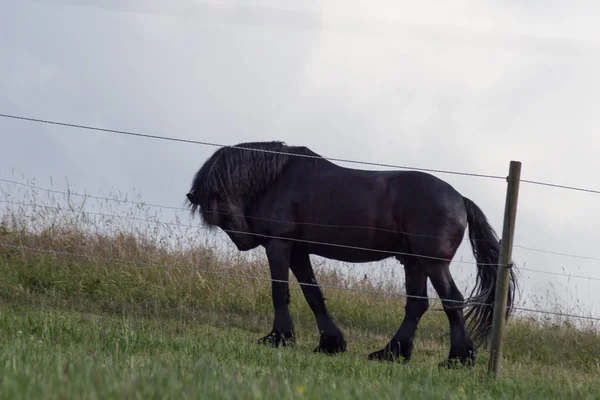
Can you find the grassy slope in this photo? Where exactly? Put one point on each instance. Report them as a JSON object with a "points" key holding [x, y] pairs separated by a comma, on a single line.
{"points": [[79, 328]]}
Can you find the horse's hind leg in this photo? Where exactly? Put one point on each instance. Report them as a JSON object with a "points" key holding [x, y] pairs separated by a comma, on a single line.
{"points": [[461, 345], [331, 338], [416, 305]]}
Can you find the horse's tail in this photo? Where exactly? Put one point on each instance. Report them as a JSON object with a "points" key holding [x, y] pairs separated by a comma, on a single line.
{"points": [[486, 249]]}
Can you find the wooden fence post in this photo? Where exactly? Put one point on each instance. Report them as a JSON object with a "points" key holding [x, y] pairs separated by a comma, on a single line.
{"points": [[502, 282]]}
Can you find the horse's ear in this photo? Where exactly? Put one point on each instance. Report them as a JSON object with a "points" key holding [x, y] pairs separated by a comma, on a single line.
{"points": [[192, 198]]}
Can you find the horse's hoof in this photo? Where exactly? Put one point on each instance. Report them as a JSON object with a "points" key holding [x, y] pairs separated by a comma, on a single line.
{"points": [[277, 338], [460, 359], [331, 344], [386, 354], [457, 363], [393, 352], [381, 355]]}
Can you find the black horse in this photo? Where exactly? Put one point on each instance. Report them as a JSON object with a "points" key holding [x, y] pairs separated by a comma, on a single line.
{"points": [[294, 203]]}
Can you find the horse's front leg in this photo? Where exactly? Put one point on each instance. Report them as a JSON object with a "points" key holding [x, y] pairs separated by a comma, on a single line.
{"points": [[278, 255], [331, 337]]}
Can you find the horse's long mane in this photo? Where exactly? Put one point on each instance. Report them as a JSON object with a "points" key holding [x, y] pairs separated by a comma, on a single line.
{"points": [[245, 169]]}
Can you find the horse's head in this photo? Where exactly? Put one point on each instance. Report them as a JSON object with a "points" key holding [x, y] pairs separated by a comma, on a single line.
{"points": [[232, 177], [227, 213]]}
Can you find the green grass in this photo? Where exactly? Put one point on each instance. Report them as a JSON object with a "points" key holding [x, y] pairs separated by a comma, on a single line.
{"points": [[58, 354], [74, 327]]}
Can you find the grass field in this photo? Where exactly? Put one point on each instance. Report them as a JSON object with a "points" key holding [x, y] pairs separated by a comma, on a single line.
{"points": [[80, 327]]}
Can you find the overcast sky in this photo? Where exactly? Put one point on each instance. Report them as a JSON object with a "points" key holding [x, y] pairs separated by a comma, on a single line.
{"points": [[466, 87]]}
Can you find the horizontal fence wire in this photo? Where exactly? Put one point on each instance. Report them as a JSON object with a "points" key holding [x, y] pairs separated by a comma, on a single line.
{"points": [[561, 186], [213, 144], [175, 224], [291, 239], [68, 193], [128, 217], [89, 196], [559, 314], [464, 303], [226, 274], [205, 143], [158, 222], [463, 239], [540, 271], [557, 253]]}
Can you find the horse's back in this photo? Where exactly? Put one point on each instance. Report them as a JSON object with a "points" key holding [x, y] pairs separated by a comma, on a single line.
{"points": [[389, 198]]}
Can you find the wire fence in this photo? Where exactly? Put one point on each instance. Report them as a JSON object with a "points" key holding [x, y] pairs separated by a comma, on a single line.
{"points": [[389, 253], [213, 144], [206, 143], [226, 274], [190, 226], [253, 277], [143, 204]]}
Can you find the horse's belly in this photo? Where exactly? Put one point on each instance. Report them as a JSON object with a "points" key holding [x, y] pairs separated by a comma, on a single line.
{"points": [[353, 249], [349, 255]]}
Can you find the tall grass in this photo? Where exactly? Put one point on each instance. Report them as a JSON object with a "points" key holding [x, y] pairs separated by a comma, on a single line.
{"points": [[124, 254]]}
